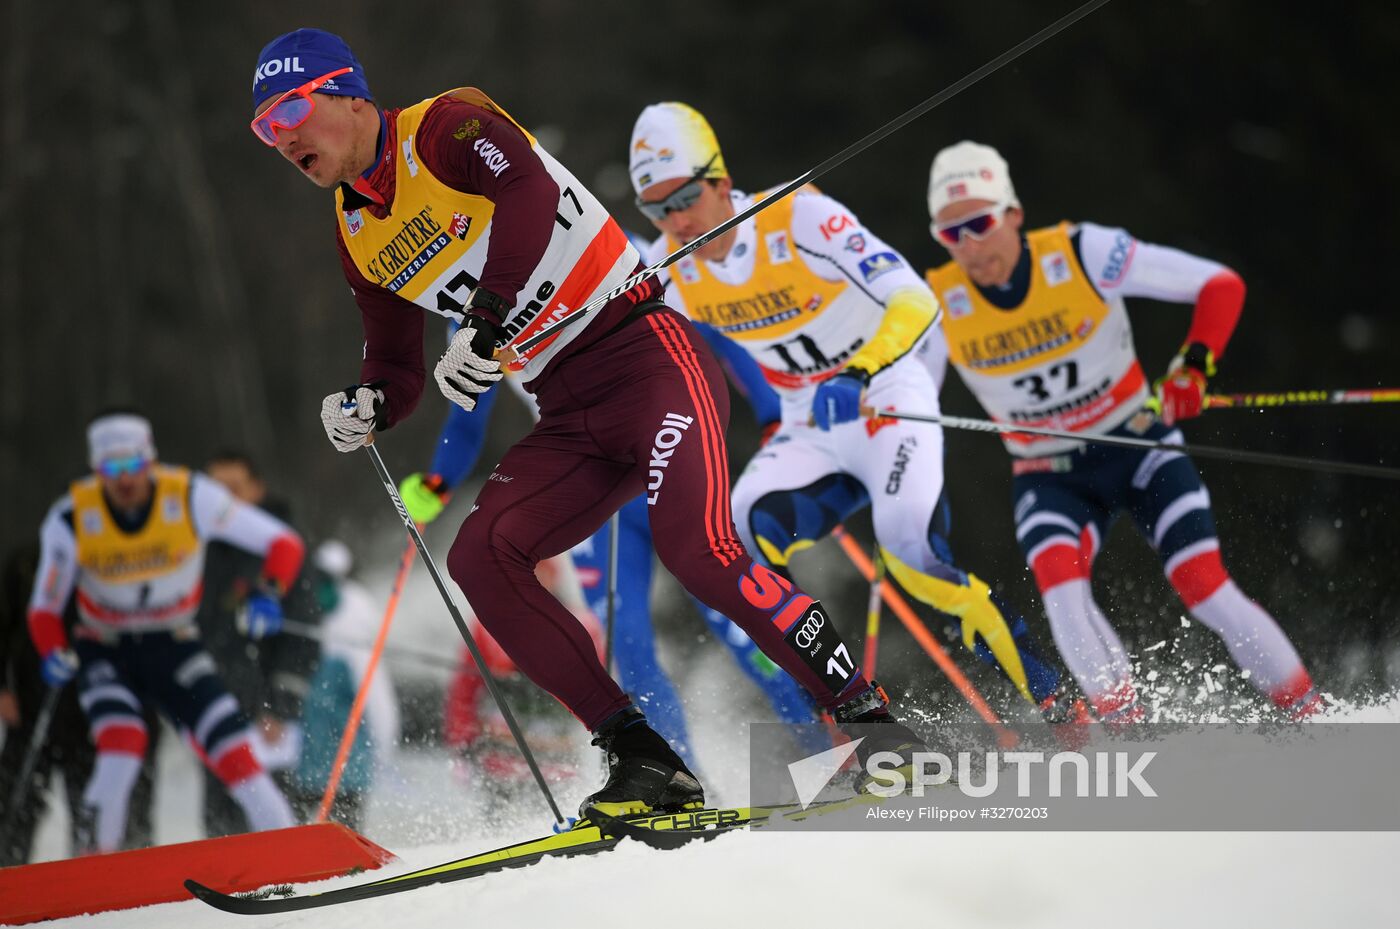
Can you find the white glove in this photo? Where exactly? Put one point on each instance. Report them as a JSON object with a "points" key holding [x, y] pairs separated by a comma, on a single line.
{"points": [[467, 369], [350, 414]]}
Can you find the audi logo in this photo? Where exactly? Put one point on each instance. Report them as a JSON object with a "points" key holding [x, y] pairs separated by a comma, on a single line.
{"points": [[810, 627]]}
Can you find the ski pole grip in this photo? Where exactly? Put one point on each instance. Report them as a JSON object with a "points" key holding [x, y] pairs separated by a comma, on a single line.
{"points": [[869, 412]]}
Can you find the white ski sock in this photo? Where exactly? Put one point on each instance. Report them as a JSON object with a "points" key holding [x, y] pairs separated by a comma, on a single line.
{"points": [[1117, 654], [108, 792], [262, 803], [1253, 637], [1089, 646]]}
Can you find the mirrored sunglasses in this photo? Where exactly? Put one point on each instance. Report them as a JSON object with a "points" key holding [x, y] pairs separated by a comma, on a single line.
{"points": [[682, 198], [291, 109], [116, 467], [977, 226]]}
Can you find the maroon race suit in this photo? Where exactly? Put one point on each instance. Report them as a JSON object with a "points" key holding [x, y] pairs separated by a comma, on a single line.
{"points": [[635, 402]]}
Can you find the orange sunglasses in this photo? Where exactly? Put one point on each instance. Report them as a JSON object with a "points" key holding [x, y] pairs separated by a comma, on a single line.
{"points": [[291, 109]]}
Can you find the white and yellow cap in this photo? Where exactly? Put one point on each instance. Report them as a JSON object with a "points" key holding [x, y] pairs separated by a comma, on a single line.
{"points": [[119, 435], [672, 140], [969, 171]]}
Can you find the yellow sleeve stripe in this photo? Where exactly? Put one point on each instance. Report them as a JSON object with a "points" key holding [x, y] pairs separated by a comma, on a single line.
{"points": [[908, 314]]}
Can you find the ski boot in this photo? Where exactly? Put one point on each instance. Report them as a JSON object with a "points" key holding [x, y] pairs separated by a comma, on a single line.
{"points": [[1119, 710], [1068, 718], [871, 708], [644, 774]]}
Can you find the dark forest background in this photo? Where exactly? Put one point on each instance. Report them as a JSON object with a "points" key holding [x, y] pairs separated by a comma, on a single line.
{"points": [[154, 253]]}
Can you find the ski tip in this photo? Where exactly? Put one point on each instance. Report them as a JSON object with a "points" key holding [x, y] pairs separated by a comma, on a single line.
{"points": [[247, 904], [199, 891]]}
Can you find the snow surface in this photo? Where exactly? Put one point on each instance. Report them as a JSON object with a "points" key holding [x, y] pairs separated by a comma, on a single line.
{"points": [[427, 814], [955, 879], [1024, 880]]}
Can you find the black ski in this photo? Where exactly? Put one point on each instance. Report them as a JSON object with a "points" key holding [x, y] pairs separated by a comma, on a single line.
{"points": [[258, 904], [599, 833], [586, 838]]}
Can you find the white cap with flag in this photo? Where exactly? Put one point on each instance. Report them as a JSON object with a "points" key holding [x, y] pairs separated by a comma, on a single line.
{"points": [[119, 435], [969, 171]]}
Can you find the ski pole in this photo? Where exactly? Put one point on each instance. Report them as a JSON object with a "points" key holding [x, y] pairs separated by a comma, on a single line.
{"points": [[1303, 398], [872, 612], [1005, 737], [31, 758], [850, 151], [614, 524], [447, 600], [1198, 451], [357, 708]]}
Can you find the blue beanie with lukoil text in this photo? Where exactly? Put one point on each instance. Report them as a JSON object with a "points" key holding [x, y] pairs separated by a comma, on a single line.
{"points": [[291, 60]]}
